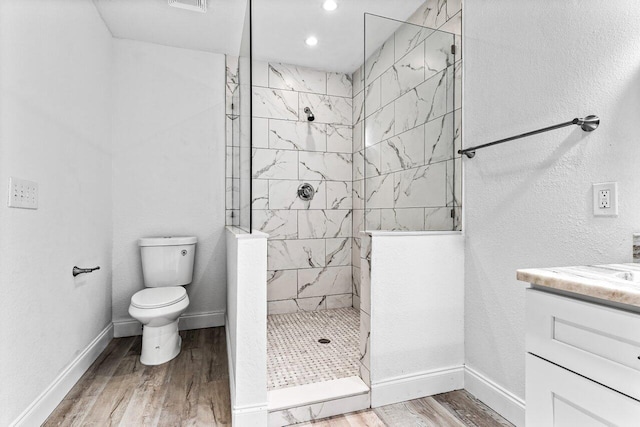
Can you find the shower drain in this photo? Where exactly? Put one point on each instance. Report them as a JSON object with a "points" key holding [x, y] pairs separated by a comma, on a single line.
{"points": [[324, 341]]}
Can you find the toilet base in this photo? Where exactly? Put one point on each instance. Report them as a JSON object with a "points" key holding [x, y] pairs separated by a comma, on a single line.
{"points": [[160, 344]]}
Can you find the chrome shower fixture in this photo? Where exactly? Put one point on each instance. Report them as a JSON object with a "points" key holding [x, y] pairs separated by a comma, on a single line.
{"points": [[309, 114], [306, 192], [194, 5]]}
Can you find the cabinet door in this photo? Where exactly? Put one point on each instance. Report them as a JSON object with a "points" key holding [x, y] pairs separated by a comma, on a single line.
{"points": [[601, 343], [559, 398]]}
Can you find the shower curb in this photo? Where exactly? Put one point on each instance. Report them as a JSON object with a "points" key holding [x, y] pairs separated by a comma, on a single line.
{"points": [[318, 400]]}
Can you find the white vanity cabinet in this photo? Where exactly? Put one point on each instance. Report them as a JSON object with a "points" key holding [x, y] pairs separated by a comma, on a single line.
{"points": [[582, 363]]}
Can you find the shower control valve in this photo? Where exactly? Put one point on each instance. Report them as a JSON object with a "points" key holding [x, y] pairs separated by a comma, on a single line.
{"points": [[306, 192]]}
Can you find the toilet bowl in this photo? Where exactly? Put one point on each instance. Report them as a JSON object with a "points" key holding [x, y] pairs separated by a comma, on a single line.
{"points": [[167, 265], [158, 311]]}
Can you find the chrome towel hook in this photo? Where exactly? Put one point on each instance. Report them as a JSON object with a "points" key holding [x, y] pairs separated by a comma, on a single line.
{"points": [[78, 270]]}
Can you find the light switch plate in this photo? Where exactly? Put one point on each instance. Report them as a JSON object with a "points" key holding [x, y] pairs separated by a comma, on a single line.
{"points": [[22, 193], [605, 199]]}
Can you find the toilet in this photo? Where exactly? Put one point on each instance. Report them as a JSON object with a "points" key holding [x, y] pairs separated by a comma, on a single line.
{"points": [[167, 266]]}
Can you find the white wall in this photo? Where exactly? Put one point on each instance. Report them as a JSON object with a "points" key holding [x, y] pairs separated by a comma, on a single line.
{"points": [[168, 166], [416, 311], [528, 202], [54, 129], [246, 325]]}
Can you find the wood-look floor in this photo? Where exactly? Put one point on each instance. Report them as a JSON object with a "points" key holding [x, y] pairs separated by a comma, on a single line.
{"points": [[190, 390], [454, 409], [193, 390]]}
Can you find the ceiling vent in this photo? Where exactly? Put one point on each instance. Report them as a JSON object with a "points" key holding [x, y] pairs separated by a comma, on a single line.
{"points": [[195, 5]]}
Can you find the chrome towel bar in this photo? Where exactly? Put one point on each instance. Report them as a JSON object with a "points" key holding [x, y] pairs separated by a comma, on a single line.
{"points": [[588, 124]]}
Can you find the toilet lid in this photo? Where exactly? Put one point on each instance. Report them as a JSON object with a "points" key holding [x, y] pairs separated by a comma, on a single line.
{"points": [[158, 297]]}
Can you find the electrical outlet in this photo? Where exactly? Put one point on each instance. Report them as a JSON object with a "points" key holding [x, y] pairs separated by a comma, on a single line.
{"points": [[605, 199], [23, 194]]}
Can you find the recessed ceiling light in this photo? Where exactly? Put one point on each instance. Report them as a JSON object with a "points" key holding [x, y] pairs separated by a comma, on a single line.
{"points": [[311, 41], [330, 5]]}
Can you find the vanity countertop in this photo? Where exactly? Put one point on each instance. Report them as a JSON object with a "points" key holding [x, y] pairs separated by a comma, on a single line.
{"points": [[610, 282]]}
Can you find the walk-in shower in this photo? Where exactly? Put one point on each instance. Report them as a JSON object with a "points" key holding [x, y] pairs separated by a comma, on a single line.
{"points": [[342, 147]]}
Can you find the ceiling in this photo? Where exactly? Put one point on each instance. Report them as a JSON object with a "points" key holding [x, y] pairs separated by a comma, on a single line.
{"points": [[279, 27], [154, 21]]}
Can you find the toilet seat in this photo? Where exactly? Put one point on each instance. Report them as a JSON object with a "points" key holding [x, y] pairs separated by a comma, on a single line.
{"points": [[158, 297]]}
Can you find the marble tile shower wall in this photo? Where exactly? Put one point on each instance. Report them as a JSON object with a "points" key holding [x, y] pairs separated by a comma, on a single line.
{"points": [[232, 181], [412, 123], [413, 131], [309, 248]]}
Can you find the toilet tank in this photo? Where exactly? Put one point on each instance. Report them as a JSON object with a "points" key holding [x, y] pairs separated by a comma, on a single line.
{"points": [[167, 261]]}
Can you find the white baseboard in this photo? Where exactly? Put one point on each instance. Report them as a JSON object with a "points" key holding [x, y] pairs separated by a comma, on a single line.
{"points": [[211, 319], [495, 396], [50, 398], [408, 387], [249, 417], [126, 328], [242, 416]]}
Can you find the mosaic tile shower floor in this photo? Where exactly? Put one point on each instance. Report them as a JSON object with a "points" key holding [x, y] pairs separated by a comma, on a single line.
{"points": [[295, 357]]}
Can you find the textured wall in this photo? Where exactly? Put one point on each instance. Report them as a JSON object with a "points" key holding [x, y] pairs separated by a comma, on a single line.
{"points": [[528, 203], [168, 165], [54, 129], [309, 255]]}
